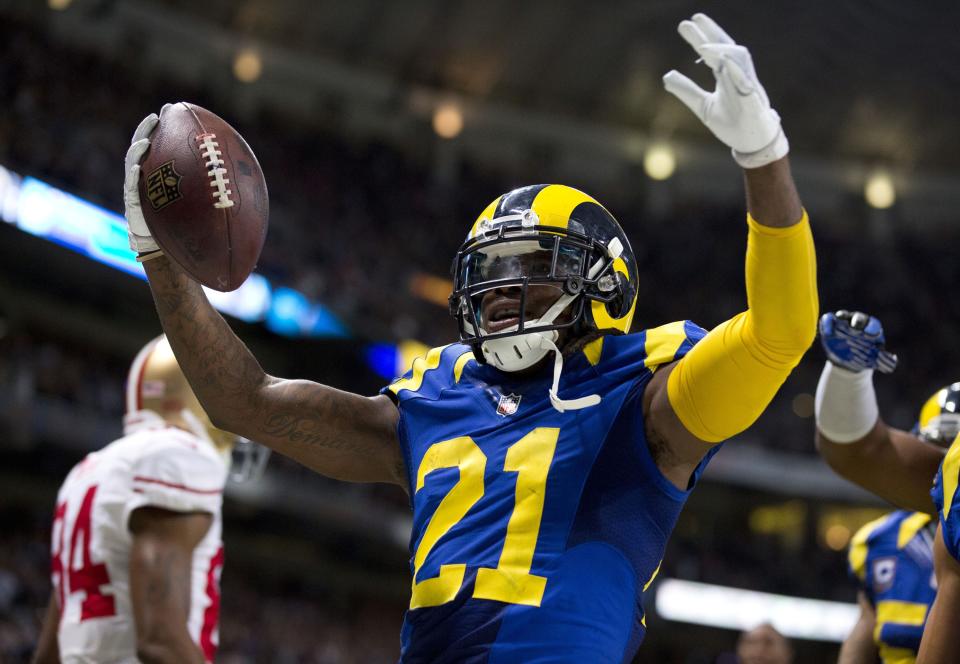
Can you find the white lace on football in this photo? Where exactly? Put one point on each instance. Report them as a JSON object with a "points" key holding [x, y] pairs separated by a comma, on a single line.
{"points": [[214, 163]]}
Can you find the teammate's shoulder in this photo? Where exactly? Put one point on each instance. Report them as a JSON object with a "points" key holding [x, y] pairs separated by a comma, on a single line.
{"points": [[881, 528], [884, 536], [651, 347], [861, 543], [437, 369]]}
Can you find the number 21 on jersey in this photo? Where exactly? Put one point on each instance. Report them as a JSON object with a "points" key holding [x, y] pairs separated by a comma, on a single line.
{"points": [[510, 581]]}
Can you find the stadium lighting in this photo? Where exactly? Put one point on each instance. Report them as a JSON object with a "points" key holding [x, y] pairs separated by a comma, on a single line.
{"points": [[47, 212], [432, 289], [247, 65], [880, 191], [659, 161], [448, 120], [837, 536], [737, 609], [59, 5], [803, 405]]}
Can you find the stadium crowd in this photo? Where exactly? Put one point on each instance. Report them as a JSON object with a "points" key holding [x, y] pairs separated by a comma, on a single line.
{"points": [[351, 223]]}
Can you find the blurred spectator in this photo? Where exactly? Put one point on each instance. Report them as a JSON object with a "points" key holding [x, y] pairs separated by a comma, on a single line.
{"points": [[764, 645]]}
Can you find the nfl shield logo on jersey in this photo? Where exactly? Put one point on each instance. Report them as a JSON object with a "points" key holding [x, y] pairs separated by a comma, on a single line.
{"points": [[508, 404], [884, 570]]}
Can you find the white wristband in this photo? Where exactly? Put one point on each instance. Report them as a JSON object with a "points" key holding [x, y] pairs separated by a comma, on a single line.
{"points": [[777, 149], [846, 404]]}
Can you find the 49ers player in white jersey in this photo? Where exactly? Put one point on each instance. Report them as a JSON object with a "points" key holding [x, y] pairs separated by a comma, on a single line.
{"points": [[136, 545]]}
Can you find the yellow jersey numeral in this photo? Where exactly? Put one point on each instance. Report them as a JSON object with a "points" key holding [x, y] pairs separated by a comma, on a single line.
{"points": [[464, 454], [511, 581]]}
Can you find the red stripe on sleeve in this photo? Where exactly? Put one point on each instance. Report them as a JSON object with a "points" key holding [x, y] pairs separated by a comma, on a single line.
{"points": [[172, 485]]}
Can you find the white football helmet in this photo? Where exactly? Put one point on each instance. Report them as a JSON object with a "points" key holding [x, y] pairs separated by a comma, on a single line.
{"points": [[158, 394]]}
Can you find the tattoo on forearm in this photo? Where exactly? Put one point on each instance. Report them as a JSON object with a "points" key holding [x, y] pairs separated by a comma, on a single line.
{"points": [[229, 381], [314, 432], [224, 373]]}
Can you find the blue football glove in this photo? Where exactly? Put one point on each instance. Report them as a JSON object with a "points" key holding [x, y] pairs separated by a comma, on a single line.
{"points": [[854, 341]]}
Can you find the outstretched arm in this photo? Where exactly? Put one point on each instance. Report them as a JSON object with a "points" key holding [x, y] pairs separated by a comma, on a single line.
{"points": [[892, 464], [338, 434], [772, 198], [851, 436], [726, 381]]}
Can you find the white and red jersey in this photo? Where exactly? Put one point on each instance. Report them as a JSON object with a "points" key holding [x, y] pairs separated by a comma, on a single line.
{"points": [[155, 466]]}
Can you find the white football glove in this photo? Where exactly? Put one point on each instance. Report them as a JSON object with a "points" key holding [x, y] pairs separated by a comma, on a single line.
{"points": [[140, 239], [738, 111]]}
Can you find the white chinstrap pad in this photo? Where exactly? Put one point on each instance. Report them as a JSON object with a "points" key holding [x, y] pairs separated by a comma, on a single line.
{"points": [[524, 350]]}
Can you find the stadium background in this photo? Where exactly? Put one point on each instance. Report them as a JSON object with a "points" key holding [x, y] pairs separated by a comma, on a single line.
{"points": [[383, 128]]}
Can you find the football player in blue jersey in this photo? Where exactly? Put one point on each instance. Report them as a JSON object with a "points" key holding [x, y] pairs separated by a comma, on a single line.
{"points": [[548, 454], [851, 435], [892, 557]]}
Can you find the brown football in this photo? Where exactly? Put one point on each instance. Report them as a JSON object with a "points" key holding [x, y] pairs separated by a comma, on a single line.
{"points": [[204, 197]]}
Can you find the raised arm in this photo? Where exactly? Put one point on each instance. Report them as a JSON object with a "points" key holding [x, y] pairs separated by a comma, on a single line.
{"points": [[851, 436], [338, 434], [892, 464], [726, 381]]}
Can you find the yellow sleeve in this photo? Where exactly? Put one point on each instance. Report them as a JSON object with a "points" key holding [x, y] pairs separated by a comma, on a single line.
{"points": [[723, 384]]}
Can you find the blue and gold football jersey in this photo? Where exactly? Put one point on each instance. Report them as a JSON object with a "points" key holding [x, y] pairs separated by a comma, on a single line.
{"points": [[892, 560], [946, 499], [535, 532]]}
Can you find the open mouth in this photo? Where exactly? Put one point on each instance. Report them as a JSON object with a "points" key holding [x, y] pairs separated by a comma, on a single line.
{"points": [[503, 316]]}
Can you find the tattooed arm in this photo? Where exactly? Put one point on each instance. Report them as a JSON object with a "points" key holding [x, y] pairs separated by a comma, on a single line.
{"points": [[338, 434], [161, 560]]}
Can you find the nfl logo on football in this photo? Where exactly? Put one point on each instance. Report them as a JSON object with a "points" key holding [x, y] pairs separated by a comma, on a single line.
{"points": [[508, 404]]}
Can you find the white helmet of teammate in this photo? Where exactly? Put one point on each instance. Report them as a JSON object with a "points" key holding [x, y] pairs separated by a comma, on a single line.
{"points": [[158, 394]]}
